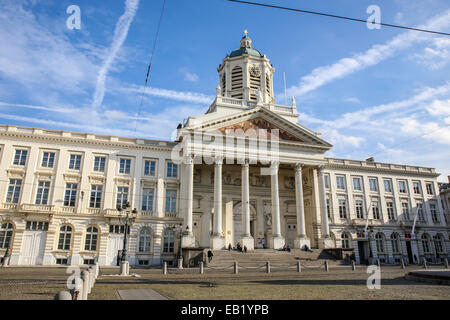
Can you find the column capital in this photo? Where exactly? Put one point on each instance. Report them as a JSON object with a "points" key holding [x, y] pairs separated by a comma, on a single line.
{"points": [[320, 169], [246, 163], [275, 164], [299, 166], [188, 159]]}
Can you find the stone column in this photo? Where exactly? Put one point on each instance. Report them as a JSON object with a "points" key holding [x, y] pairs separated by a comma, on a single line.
{"points": [[277, 241], [326, 239], [301, 239], [217, 239], [189, 238], [246, 239]]}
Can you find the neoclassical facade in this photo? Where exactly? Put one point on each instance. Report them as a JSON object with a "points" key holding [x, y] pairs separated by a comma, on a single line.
{"points": [[244, 172]]}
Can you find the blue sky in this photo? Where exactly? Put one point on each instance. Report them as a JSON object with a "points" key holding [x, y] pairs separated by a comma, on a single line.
{"points": [[382, 93]]}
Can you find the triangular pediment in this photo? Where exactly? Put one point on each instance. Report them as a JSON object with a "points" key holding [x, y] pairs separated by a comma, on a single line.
{"points": [[253, 127], [260, 118]]}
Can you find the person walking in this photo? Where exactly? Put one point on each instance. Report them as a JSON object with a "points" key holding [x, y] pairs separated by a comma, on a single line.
{"points": [[229, 247], [210, 256]]}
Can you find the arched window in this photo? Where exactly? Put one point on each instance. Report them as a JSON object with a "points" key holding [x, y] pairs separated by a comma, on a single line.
{"points": [[91, 239], [426, 243], [6, 232], [144, 240], [65, 234], [395, 240], [168, 241], [268, 88], [438, 243], [345, 240], [379, 239]]}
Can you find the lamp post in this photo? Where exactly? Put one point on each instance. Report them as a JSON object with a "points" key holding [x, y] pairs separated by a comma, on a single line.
{"points": [[6, 257], [179, 228], [124, 266]]}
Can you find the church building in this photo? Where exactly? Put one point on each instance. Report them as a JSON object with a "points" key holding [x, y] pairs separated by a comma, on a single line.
{"points": [[245, 172]]}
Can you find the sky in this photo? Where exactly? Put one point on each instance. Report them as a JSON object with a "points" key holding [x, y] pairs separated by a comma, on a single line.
{"points": [[370, 92]]}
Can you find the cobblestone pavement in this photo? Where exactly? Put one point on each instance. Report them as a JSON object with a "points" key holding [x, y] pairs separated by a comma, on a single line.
{"points": [[340, 283]]}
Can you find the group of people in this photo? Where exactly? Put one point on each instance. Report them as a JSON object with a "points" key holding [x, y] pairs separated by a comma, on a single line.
{"points": [[286, 248], [238, 247]]}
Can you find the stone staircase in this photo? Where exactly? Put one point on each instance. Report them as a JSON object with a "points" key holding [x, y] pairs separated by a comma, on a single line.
{"points": [[258, 257]]}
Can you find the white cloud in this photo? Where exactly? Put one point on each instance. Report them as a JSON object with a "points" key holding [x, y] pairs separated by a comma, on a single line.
{"points": [[436, 56], [377, 53], [189, 76], [120, 34], [185, 96]]}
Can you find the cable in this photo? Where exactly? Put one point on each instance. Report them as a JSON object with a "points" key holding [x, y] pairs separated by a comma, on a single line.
{"points": [[336, 16], [150, 65]]}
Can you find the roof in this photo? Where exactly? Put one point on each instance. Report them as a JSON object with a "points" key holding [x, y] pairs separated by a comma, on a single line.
{"points": [[249, 51]]}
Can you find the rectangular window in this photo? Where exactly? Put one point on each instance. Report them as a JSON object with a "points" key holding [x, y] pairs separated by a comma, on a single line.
{"points": [[20, 157], [147, 199], [70, 196], [42, 192], [327, 181], [429, 188], [416, 187], [342, 209], [48, 159], [328, 209], [171, 201], [150, 168], [340, 183], [390, 210], [420, 212], [172, 170], [373, 184], [376, 210], [13, 195], [405, 210], [359, 209], [402, 186], [387, 186], [125, 166], [36, 226], [75, 162], [433, 212], [122, 197], [99, 164], [95, 200], [357, 183]]}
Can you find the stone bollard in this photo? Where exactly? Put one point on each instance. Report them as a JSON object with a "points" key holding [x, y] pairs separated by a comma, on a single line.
{"points": [[425, 264], [85, 277], [268, 267], [165, 267], [180, 263], [236, 267], [353, 265], [201, 267], [402, 263], [124, 268], [446, 263], [299, 266], [63, 295], [326, 265], [378, 263]]}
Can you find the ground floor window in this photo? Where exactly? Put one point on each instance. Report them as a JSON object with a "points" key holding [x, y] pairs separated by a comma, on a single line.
{"points": [[438, 243], [395, 243], [345, 241], [425, 243], [144, 240], [65, 235], [62, 261], [379, 240], [89, 262], [168, 241], [6, 232]]}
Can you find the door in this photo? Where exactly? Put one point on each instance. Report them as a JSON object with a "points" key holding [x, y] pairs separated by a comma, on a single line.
{"points": [[409, 250], [33, 247], [115, 243], [290, 234], [362, 252]]}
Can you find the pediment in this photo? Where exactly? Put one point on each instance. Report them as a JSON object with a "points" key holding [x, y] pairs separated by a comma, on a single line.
{"points": [[257, 125], [250, 122]]}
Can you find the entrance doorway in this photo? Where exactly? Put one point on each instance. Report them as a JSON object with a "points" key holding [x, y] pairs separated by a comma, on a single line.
{"points": [[363, 248], [33, 247], [409, 251], [115, 243]]}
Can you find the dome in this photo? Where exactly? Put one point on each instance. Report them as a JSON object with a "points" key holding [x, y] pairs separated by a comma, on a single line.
{"points": [[246, 48]]}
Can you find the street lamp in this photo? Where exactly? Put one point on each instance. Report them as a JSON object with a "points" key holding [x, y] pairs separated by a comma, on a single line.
{"points": [[6, 256], [179, 229], [125, 206]]}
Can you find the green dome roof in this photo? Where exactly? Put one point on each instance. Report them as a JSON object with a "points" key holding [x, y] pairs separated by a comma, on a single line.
{"points": [[249, 51]]}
